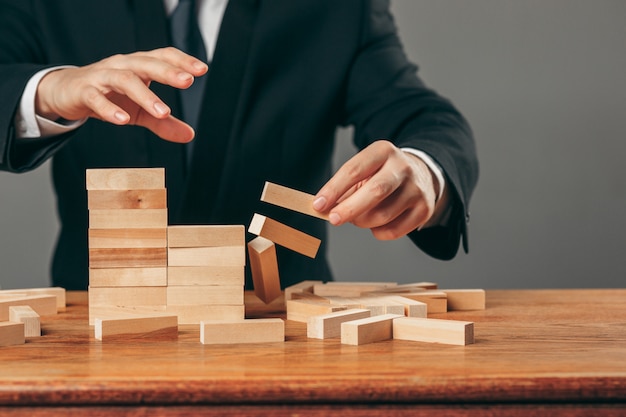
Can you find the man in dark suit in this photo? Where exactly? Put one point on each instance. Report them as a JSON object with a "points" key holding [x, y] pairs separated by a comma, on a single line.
{"points": [[283, 76]]}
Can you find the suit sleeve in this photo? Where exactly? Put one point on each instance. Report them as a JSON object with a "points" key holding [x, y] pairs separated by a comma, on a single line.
{"points": [[385, 99]]}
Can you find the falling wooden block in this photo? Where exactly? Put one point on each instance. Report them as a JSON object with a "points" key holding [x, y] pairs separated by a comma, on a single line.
{"points": [[291, 199], [205, 275], [149, 328], [194, 314], [125, 178], [264, 268], [127, 199], [368, 330], [301, 310], [450, 332], [349, 289], [245, 331], [327, 326], [301, 287], [128, 296], [436, 301], [44, 305], [128, 219], [11, 333], [128, 238], [284, 235], [128, 277], [205, 236], [463, 300], [207, 256], [205, 294], [128, 258], [28, 316], [58, 292]]}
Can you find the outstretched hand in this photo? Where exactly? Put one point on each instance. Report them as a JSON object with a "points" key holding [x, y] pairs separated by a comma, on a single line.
{"points": [[116, 90]]}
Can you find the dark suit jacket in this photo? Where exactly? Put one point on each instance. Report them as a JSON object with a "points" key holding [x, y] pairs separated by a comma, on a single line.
{"points": [[285, 74]]}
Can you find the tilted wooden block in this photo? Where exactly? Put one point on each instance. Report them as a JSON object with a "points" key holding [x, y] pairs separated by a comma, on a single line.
{"points": [[128, 219], [301, 310], [284, 235], [128, 238], [450, 332], [206, 236], [44, 305], [368, 330], [205, 275], [327, 326], [128, 296], [205, 294], [149, 328], [436, 301], [11, 333], [304, 286], [28, 316], [125, 178], [264, 268], [194, 314], [128, 277], [207, 256], [465, 299], [128, 258], [291, 199], [58, 292], [127, 199], [350, 289], [245, 331]]}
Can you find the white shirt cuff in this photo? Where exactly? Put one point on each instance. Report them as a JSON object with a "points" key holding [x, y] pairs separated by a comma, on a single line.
{"points": [[432, 165]]}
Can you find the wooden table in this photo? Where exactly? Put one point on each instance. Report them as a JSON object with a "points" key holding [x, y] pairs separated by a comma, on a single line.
{"points": [[562, 352]]}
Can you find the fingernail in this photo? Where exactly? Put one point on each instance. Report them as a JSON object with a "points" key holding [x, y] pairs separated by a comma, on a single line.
{"points": [[199, 65], [334, 218], [319, 203], [122, 117], [184, 76], [161, 108]]}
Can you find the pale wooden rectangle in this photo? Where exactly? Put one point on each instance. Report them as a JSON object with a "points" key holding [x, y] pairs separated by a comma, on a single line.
{"points": [[412, 308], [284, 235], [203, 236], [327, 326], [291, 199], [208, 256], [349, 289], [128, 258], [128, 296], [44, 305], [264, 269], [128, 277], [303, 286], [245, 331], [11, 333], [149, 328], [383, 304], [125, 178], [465, 299], [194, 314], [28, 316], [449, 332], [130, 219], [205, 294], [126, 199], [412, 287], [205, 275], [128, 238], [58, 292], [301, 310], [436, 301], [368, 330], [120, 312]]}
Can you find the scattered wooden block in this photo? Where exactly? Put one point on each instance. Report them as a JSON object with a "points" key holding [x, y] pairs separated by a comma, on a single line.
{"points": [[58, 292], [44, 305], [436, 301], [301, 287], [205, 275], [122, 312], [28, 316], [450, 332], [463, 300], [11, 333], [245, 331], [128, 258], [208, 256], [368, 330], [126, 199], [349, 289], [311, 297], [128, 219], [205, 294], [128, 296], [412, 308], [205, 236], [327, 326], [291, 199], [157, 327], [412, 287], [284, 235], [264, 268], [128, 277], [127, 238], [301, 310], [125, 178], [194, 314]]}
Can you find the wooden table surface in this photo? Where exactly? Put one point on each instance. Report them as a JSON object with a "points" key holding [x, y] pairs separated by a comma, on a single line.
{"points": [[562, 352]]}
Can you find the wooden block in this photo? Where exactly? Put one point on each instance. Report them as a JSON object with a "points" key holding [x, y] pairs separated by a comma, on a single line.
{"points": [[245, 331], [412, 308], [301, 310], [310, 296], [450, 332], [58, 292], [11, 333], [128, 219], [368, 330], [304, 286], [349, 289], [383, 305], [128, 296], [436, 301], [128, 258], [413, 287], [128, 238], [128, 277], [326, 326], [463, 300], [206, 236], [284, 235], [205, 275], [126, 199], [120, 312], [44, 305], [125, 178], [205, 294], [349, 303], [291, 199], [194, 314], [264, 269], [149, 328], [209, 256], [28, 316]]}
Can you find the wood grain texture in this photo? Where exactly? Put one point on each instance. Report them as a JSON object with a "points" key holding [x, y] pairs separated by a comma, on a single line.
{"points": [[205, 294], [44, 305], [326, 326], [125, 178], [301, 310], [368, 330], [264, 269], [435, 300], [58, 292], [465, 299], [28, 316], [206, 235], [451, 332], [206, 275], [128, 219], [303, 286], [128, 258], [194, 314], [149, 327], [11, 333], [350, 289], [128, 296], [127, 199], [291, 199], [128, 238], [244, 331], [284, 235], [128, 277], [207, 256]]}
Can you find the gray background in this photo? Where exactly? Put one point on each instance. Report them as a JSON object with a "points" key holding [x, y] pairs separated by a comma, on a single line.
{"points": [[543, 85]]}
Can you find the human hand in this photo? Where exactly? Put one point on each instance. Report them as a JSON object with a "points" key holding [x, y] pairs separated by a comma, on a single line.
{"points": [[116, 90], [381, 188]]}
